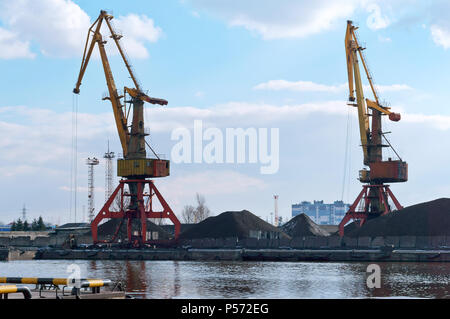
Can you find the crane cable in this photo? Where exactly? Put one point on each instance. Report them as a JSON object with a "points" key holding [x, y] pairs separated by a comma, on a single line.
{"points": [[347, 156], [74, 159], [146, 115]]}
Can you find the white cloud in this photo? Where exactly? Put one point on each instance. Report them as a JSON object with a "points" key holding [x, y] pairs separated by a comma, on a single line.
{"points": [[440, 35], [308, 86], [391, 88], [384, 39], [36, 143], [302, 18], [376, 19], [11, 47], [137, 30], [281, 19], [441, 122], [45, 139], [46, 136], [182, 190], [59, 28], [238, 114], [199, 94], [81, 189], [300, 86], [213, 183]]}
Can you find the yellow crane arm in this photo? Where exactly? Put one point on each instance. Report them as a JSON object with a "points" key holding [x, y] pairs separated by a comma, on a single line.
{"points": [[119, 116], [354, 81], [349, 55], [352, 49]]}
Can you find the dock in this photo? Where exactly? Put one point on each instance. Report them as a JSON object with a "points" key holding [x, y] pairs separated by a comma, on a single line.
{"points": [[193, 254], [59, 288], [35, 294]]}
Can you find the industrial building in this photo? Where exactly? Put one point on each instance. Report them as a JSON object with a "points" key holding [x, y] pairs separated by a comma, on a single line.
{"points": [[321, 213]]}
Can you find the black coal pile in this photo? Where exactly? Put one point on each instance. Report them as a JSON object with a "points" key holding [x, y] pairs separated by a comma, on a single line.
{"points": [[108, 229], [240, 224], [302, 226], [424, 219]]}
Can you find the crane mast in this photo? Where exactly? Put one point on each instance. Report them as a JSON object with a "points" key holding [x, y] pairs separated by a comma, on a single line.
{"points": [[135, 168], [375, 194]]}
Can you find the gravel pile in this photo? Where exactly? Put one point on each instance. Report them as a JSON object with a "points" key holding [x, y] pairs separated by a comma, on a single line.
{"points": [[302, 226], [424, 219], [241, 224]]}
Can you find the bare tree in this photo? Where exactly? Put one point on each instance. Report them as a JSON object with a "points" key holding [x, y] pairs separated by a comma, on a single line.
{"points": [[193, 215], [188, 214], [201, 211]]}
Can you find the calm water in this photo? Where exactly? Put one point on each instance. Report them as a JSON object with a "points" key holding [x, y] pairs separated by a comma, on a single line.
{"points": [[184, 279]]}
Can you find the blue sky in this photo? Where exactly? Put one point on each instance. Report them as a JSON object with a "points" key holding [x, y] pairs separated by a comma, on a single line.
{"points": [[262, 64]]}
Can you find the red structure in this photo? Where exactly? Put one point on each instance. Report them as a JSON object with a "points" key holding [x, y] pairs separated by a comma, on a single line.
{"points": [[145, 201], [364, 201]]}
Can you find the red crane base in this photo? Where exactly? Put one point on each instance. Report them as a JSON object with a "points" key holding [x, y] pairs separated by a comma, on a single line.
{"points": [[145, 201], [383, 193]]}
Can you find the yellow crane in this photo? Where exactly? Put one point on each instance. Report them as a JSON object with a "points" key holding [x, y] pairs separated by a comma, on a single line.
{"points": [[120, 112], [135, 167], [375, 193]]}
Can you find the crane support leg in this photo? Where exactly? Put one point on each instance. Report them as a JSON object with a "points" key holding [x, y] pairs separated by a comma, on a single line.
{"points": [[367, 210], [117, 206]]}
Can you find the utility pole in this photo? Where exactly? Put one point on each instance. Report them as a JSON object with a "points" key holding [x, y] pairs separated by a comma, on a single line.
{"points": [[275, 197], [91, 162], [109, 186], [24, 213]]}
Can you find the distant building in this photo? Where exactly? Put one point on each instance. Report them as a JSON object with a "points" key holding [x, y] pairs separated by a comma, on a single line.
{"points": [[321, 213], [5, 227]]}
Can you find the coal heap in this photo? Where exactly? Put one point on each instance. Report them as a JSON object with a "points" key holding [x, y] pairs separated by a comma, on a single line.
{"points": [[302, 226], [424, 219], [108, 229], [240, 224]]}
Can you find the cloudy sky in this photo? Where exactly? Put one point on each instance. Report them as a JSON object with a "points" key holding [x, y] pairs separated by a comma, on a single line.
{"points": [[249, 64]]}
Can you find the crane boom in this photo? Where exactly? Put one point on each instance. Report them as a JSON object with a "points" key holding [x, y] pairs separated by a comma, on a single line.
{"points": [[366, 107], [119, 116], [354, 80], [127, 137]]}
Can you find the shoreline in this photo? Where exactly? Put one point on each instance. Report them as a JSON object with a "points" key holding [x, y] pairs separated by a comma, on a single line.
{"points": [[243, 254]]}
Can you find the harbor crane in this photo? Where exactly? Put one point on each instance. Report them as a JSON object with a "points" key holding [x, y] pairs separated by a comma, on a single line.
{"points": [[136, 169], [373, 200]]}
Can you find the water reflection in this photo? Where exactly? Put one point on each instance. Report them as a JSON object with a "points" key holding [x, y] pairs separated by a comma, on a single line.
{"points": [[185, 279], [429, 280]]}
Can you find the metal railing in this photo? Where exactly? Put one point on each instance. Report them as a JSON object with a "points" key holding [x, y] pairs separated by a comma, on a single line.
{"points": [[12, 289]]}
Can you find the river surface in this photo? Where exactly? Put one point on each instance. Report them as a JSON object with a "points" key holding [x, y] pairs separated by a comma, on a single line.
{"points": [[186, 279]]}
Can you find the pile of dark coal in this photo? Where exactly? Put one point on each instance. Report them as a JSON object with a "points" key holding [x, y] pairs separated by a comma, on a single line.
{"points": [[240, 224], [302, 226], [424, 219]]}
